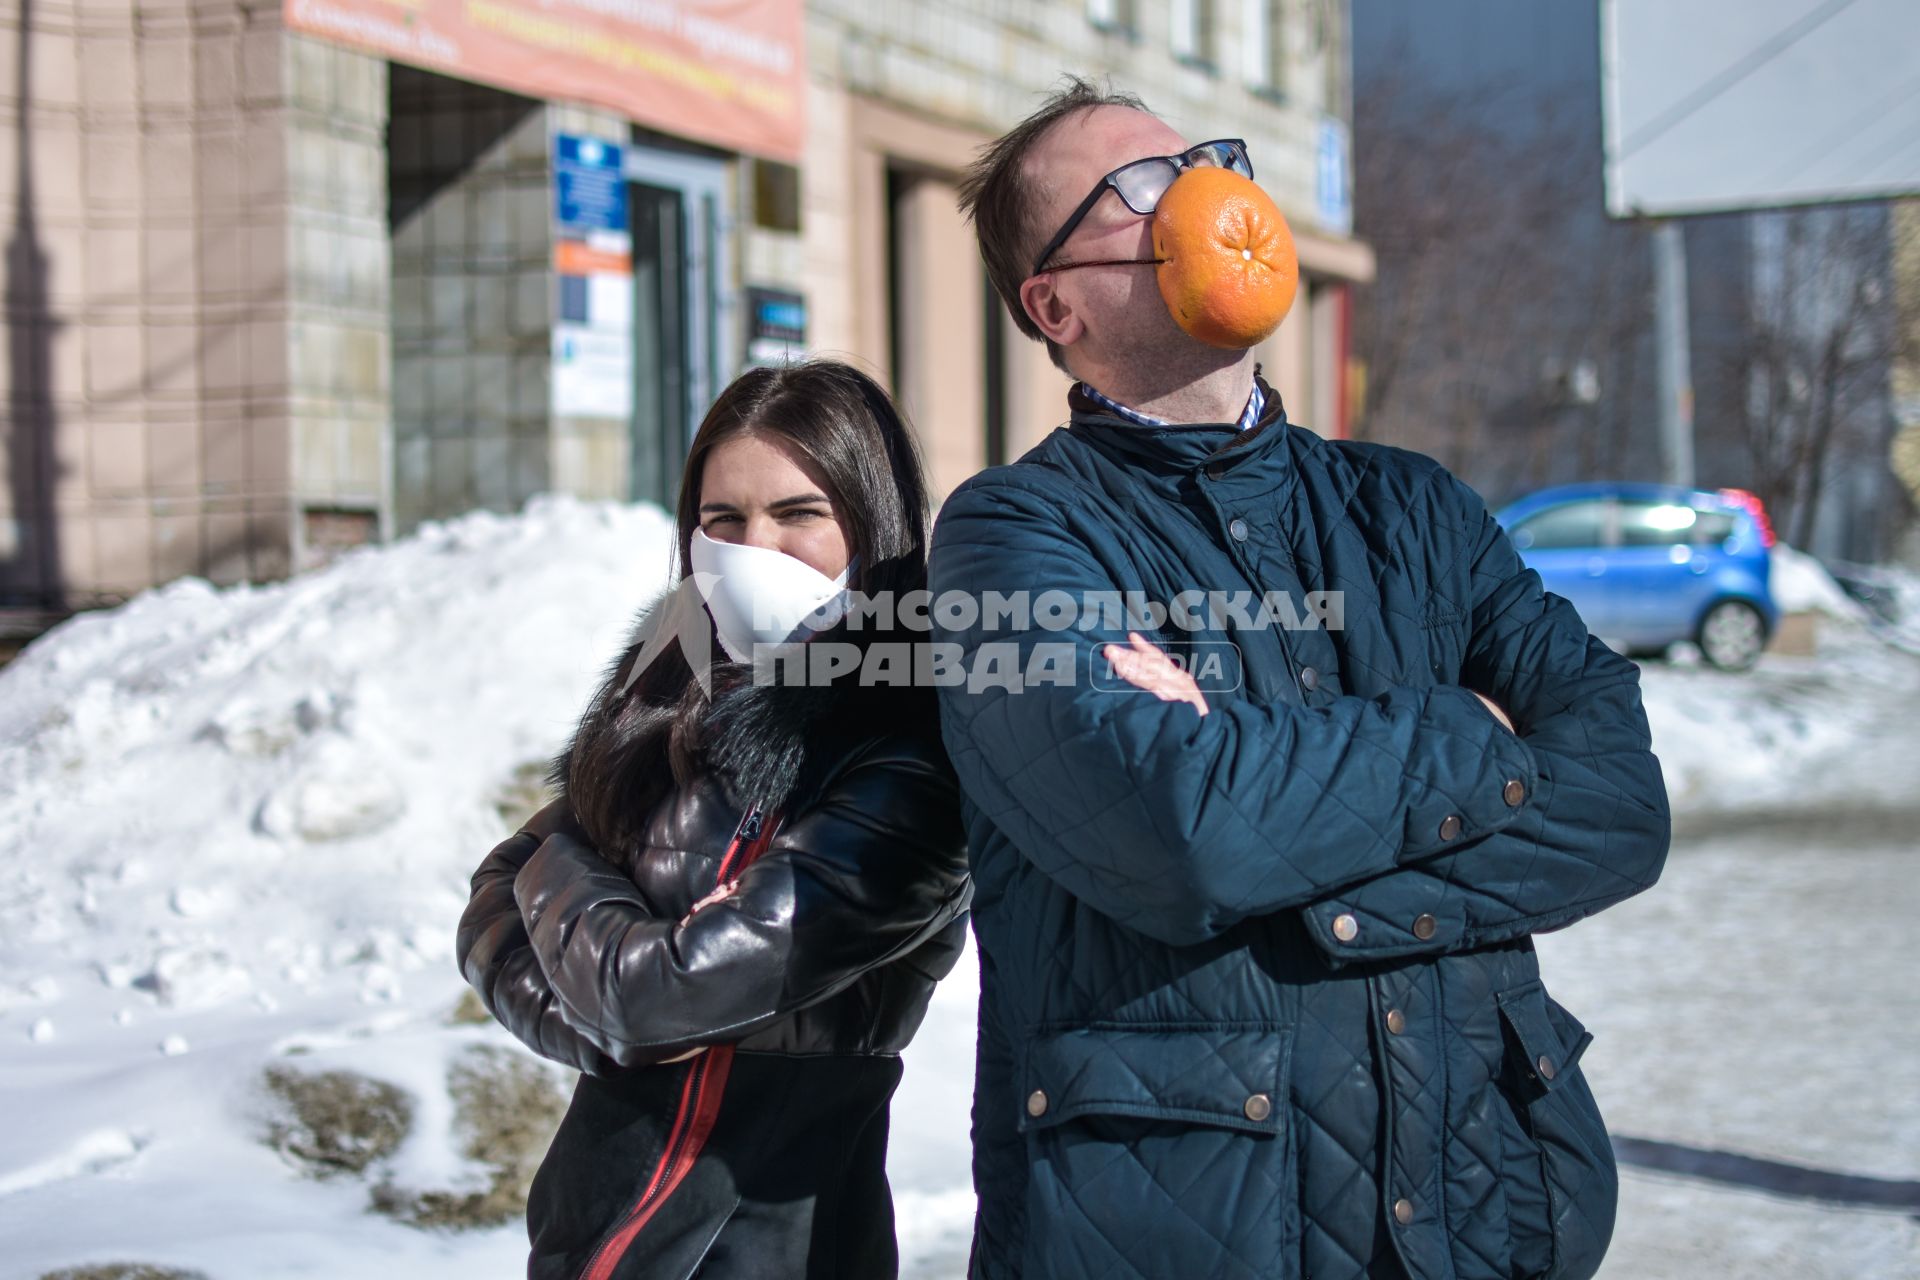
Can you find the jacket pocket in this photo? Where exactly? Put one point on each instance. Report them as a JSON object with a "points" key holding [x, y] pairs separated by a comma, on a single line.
{"points": [[1562, 1187], [1157, 1149]]}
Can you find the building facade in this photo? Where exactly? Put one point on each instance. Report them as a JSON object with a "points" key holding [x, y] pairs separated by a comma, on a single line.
{"points": [[285, 279]]}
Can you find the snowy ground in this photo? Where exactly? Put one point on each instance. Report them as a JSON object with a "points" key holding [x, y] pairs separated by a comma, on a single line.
{"points": [[236, 829]]}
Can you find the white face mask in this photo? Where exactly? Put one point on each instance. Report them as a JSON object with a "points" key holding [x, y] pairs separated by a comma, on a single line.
{"points": [[759, 596]]}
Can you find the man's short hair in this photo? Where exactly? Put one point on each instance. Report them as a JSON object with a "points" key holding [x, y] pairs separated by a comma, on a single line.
{"points": [[1003, 205]]}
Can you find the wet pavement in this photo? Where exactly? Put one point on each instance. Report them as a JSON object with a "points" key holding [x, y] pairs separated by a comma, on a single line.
{"points": [[1757, 1048]]}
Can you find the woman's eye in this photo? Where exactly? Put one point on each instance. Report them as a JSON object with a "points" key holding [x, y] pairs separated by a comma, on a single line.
{"points": [[806, 513], [718, 520]]}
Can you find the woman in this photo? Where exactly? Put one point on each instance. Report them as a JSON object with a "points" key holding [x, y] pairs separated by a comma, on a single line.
{"points": [[733, 918]]}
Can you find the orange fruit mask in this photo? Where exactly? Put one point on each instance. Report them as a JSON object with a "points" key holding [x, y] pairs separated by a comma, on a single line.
{"points": [[1228, 269]]}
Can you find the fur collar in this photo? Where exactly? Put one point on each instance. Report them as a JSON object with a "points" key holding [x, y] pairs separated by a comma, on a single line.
{"points": [[770, 746]]}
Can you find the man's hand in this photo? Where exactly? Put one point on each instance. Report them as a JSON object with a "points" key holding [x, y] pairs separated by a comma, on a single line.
{"points": [[1494, 707], [1150, 668]]}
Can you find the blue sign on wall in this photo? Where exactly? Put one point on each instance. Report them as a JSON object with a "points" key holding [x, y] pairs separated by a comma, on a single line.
{"points": [[589, 188], [1335, 195]]}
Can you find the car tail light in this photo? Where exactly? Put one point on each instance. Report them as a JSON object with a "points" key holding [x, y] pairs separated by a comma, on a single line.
{"points": [[1755, 508]]}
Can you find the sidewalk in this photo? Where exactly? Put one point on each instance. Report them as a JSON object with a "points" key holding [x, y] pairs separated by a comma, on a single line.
{"points": [[1758, 1000]]}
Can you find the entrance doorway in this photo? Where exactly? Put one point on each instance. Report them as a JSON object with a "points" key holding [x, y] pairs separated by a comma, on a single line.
{"points": [[683, 312]]}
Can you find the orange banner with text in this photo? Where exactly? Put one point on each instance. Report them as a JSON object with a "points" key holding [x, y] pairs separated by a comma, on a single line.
{"points": [[727, 72]]}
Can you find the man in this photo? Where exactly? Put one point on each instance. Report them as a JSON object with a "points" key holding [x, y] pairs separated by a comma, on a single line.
{"points": [[1258, 991]]}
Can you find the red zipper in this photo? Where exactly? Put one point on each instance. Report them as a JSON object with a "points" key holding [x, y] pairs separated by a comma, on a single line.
{"points": [[699, 1097]]}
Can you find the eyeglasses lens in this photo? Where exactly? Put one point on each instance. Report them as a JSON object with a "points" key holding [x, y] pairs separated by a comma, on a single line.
{"points": [[1223, 155], [1141, 185]]}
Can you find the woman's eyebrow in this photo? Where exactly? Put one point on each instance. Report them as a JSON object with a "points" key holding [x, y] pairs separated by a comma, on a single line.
{"points": [[795, 501]]}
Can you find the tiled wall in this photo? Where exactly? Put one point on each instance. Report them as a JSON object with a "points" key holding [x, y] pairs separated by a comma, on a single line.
{"points": [[196, 293], [471, 298], [335, 224], [146, 410]]}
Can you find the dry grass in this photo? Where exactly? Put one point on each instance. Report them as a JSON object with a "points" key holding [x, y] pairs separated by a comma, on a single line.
{"points": [[523, 795], [467, 1011], [123, 1271], [506, 1108], [334, 1122]]}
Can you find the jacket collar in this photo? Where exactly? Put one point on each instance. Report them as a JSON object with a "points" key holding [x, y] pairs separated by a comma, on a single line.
{"points": [[770, 746], [1183, 446]]}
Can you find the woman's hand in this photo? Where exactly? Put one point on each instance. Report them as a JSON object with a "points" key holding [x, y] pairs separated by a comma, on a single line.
{"points": [[682, 1057], [722, 890], [1152, 669]]}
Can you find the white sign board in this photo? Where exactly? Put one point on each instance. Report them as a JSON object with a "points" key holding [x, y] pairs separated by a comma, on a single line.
{"points": [[1717, 105], [592, 372]]}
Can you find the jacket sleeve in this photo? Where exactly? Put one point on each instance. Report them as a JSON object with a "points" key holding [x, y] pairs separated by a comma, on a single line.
{"points": [[861, 877], [1592, 829], [1171, 823], [496, 957]]}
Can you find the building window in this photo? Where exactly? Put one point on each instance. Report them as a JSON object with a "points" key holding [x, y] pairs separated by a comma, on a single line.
{"points": [[1111, 15], [1192, 36], [1261, 45]]}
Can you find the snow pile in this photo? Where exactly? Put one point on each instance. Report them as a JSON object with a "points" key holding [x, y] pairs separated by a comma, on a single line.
{"points": [[211, 792], [1835, 728], [238, 824], [1801, 583], [1902, 590]]}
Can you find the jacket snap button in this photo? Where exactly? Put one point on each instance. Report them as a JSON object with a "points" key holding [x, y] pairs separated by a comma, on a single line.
{"points": [[1546, 1067], [1238, 529], [1514, 792], [1309, 679], [1396, 1021], [1037, 1103], [1258, 1107], [1403, 1211], [1345, 928], [1424, 927], [1450, 826]]}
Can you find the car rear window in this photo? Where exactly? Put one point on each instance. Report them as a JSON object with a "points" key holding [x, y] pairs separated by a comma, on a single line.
{"points": [[1714, 528], [1577, 524]]}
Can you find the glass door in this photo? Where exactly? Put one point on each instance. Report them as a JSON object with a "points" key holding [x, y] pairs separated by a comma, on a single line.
{"points": [[683, 307]]}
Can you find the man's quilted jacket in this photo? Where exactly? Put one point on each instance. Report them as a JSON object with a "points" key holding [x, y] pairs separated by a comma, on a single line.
{"points": [[1259, 996]]}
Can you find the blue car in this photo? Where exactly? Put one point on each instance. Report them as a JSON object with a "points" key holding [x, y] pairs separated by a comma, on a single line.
{"points": [[1648, 565]]}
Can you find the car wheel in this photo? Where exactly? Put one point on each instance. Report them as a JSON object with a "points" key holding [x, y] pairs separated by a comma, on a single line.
{"points": [[1732, 635]]}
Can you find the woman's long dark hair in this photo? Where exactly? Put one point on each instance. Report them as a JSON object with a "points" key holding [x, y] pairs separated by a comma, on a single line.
{"points": [[630, 747]]}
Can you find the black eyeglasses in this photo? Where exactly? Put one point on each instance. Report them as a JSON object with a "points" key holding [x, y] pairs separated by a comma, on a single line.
{"points": [[1141, 183]]}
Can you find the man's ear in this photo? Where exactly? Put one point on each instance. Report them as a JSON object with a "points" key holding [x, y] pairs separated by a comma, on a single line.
{"points": [[1050, 313]]}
